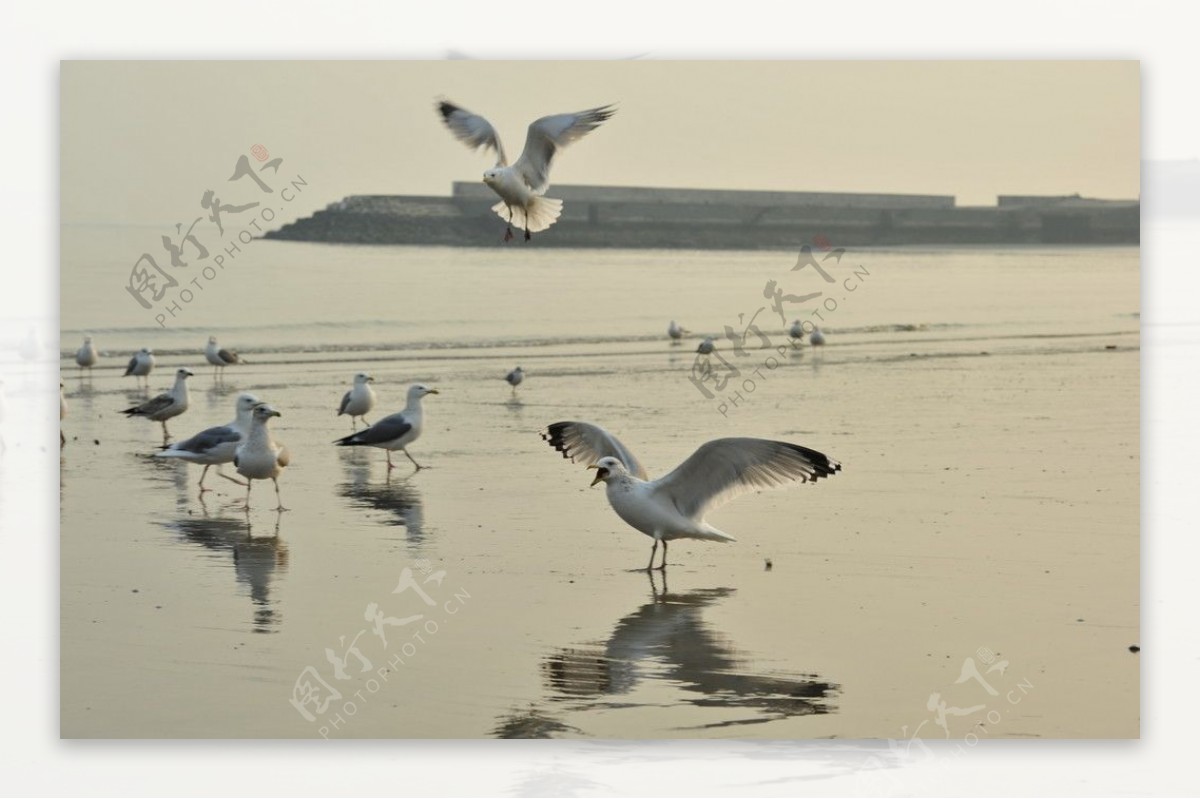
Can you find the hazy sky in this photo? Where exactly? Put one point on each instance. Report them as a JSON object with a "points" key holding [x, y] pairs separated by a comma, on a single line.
{"points": [[142, 141]]}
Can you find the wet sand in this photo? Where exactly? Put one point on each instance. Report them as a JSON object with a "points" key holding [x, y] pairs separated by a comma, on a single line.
{"points": [[987, 512]]}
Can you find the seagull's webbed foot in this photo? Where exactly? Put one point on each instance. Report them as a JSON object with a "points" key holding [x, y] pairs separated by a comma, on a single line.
{"points": [[508, 234], [528, 235]]}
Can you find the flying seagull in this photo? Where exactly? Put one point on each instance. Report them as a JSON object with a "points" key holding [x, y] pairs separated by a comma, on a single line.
{"points": [[359, 400], [220, 357], [261, 457], [396, 431], [216, 445], [521, 186], [165, 406], [141, 365], [674, 506]]}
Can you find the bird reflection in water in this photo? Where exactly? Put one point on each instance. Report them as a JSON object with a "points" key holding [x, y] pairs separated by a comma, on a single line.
{"points": [[399, 498], [258, 555], [667, 640]]}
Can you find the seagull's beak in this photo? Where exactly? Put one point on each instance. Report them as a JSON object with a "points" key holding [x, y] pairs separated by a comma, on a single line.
{"points": [[600, 475], [434, 391], [275, 413], [370, 380]]}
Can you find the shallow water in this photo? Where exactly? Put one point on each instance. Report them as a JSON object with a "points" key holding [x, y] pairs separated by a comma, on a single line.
{"points": [[984, 404]]}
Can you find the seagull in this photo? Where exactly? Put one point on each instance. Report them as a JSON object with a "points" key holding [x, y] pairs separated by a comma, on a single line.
{"points": [[260, 457], [796, 331], [816, 337], [62, 414], [706, 346], [220, 357], [396, 431], [514, 378], [216, 445], [141, 365], [359, 400], [86, 356], [674, 506], [165, 406], [676, 331], [522, 185]]}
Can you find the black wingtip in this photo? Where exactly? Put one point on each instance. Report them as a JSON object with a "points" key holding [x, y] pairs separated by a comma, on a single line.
{"points": [[823, 465], [446, 108], [553, 435]]}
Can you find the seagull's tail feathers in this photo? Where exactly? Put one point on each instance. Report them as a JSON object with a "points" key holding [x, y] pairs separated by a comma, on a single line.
{"points": [[351, 440], [709, 533], [541, 214]]}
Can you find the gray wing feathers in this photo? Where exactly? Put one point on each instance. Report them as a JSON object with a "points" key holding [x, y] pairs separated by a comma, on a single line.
{"points": [[206, 440], [726, 467], [588, 443], [387, 429], [345, 402], [547, 135], [150, 407], [471, 129]]}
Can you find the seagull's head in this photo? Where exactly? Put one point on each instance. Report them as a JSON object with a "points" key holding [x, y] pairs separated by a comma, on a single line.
{"points": [[87, 339], [363, 377], [246, 402], [183, 374], [263, 412], [491, 176], [146, 351], [607, 468], [418, 390]]}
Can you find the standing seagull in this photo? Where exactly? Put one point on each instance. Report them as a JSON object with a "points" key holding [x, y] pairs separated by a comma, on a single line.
{"points": [[522, 185], [86, 356], [674, 506], [675, 330], [816, 338], [514, 378], [220, 357], [396, 431], [796, 331], [359, 400], [141, 365], [706, 346], [165, 406], [216, 445], [260, 456]]}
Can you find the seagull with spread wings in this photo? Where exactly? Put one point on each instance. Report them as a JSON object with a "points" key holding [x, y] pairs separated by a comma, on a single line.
{"points": [[521, 186], [674, 506]]}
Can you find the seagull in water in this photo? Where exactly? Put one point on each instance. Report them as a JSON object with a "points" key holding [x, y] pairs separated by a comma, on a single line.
{"points": [[816, 337], [260, 456], [86, 355], [216, 445], [396, 431], [522, 185], [674, 506], [675, 330], [220, 357], [141, 365], [165, 406], [514, 378], [706, 346], [359, 400]]}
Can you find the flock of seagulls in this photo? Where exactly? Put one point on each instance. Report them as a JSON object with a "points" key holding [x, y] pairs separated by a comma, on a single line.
{"points": [[665, 509]]}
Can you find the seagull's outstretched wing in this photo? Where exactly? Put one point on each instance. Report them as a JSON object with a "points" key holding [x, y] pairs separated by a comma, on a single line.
{"points": [[726, 467], [547, 135], [472, 129], [582, 441], [386, 429]]}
